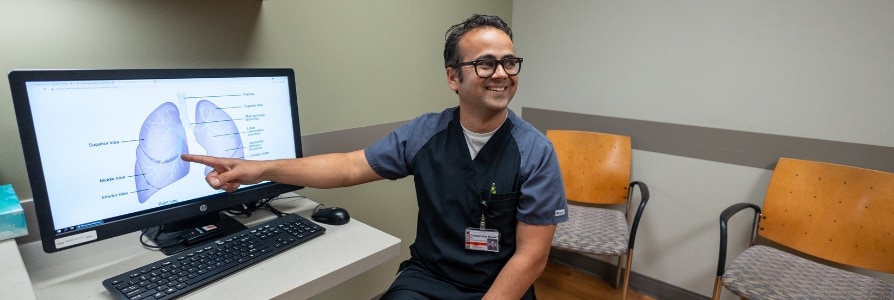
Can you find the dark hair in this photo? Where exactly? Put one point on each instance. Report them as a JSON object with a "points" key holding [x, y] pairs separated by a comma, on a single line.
{"points": [[452, 56]]}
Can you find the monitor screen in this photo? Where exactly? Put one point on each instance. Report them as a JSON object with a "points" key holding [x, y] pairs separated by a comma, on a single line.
{"points": [[102, 147]]}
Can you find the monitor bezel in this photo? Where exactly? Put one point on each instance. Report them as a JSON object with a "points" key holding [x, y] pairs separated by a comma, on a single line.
{"points": [[175, 213]]}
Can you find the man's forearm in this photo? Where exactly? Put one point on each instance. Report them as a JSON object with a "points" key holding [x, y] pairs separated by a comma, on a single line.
{"points": [[323, 171], [516, 277], [526, 265]]}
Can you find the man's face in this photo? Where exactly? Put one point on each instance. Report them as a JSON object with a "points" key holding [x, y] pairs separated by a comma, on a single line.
{"points": [[484, 94]]}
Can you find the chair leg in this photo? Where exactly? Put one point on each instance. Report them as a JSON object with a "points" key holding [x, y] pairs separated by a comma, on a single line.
{"points": [[618, 269], [718, 285], [626, 283]]}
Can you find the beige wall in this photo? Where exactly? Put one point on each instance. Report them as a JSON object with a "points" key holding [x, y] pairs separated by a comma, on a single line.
{"points": [[357, 63]]}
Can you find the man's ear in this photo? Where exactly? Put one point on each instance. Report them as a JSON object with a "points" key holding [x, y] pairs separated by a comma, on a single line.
{"points": [[452, 79]]}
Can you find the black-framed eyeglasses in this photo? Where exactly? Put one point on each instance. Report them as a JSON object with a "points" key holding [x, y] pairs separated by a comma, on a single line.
{"points": [[485, 68]]}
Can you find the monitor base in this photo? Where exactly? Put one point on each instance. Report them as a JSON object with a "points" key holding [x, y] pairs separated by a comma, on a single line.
{"points": [[197, 232]]}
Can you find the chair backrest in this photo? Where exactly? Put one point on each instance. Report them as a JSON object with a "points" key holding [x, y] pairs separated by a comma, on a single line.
{"points": [[835, 212], [595, 166]]}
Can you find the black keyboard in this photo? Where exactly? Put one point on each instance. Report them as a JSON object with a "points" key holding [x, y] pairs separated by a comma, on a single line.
{"points": [[191, 269]]}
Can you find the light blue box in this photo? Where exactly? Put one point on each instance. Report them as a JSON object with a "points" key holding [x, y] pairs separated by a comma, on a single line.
{"points": [[12, 217]]}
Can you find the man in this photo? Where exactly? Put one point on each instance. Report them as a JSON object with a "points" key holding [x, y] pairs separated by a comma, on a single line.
{"points": [[481, 173]]}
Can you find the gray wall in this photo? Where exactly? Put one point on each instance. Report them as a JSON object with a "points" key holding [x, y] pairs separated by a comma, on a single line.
{"points": [[361, 68], [712, 92]]}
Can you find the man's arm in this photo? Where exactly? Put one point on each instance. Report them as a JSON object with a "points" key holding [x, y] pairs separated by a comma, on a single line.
{"points": [[324, 171], [318, 171], [526, 265]]}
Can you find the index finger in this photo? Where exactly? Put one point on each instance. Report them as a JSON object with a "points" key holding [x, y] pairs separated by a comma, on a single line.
{"points": [[210, 161]]}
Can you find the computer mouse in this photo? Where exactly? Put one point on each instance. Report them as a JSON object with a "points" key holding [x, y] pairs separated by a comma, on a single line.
{"points": [[331, 216]]}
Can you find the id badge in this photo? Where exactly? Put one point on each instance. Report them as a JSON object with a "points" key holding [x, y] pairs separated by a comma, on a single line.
{"points": [[482, 239]]}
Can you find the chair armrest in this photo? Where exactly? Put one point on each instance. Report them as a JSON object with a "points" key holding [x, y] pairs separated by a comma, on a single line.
{"points": [[644, 198], [724, 218]]}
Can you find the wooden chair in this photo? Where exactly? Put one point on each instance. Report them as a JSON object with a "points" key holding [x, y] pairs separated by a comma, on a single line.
{"points": [[596, 173], [819, 221]]}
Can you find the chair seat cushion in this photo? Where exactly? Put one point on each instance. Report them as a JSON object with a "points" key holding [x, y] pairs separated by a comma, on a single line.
{"points": [[763, 272], [593, 230]]}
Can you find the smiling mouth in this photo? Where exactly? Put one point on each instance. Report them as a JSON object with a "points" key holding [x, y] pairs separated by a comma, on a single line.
{"points": [[497, 89]]}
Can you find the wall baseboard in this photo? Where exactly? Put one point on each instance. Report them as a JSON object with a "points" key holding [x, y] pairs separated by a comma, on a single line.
{"points": [[641, 283]]}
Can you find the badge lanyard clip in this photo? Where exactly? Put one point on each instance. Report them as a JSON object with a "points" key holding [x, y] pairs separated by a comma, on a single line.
{"points": [[483, 203]]}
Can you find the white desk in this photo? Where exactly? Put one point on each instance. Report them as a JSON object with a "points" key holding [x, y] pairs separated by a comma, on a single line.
{"points": [[306, 270], [14, 282]]}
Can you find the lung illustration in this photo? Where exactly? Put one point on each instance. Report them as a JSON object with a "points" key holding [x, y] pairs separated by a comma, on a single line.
{"points": [[162, 140], [216, 132]]}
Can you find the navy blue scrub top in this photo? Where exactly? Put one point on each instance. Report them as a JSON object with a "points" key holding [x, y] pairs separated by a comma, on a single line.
{"points": [[518, 161]]}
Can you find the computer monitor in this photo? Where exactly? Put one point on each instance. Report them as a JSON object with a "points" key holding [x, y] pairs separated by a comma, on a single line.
{"points": [[102, 148]]}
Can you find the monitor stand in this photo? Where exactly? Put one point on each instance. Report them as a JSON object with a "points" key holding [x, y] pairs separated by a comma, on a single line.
{"points": [[181, 235]]}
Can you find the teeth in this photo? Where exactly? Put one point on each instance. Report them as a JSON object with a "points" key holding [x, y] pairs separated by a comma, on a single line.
{"points": [[497, 89]]}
